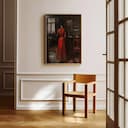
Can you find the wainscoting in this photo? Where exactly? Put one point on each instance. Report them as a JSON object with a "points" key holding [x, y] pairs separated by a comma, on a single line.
{"points": [[44, 92]]}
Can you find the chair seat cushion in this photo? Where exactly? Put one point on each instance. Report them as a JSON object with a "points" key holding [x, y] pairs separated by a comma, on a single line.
{"points": [[78, 94]]}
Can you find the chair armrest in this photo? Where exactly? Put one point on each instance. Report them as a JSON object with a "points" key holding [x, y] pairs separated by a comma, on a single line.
{"points": [[93, 82], [66, 85], [69, 82]]}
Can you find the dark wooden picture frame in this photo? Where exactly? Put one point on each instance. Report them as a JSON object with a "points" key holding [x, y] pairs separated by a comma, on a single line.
{"points": [[62, 38]]}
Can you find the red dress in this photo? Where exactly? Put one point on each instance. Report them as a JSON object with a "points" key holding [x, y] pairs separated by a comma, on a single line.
{"points": [[61, 52]]}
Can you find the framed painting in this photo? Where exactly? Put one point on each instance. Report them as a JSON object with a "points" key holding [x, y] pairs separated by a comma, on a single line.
{"points": [[62, 38]]}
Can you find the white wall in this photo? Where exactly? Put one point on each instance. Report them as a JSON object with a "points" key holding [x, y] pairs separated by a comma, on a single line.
{"points": [[30, 42]]}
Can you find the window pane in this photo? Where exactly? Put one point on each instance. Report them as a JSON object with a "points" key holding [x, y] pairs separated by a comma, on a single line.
{"points": [[108, 50], [111, 106], [121, 9], [121, 41], [108, 18], [126, 114], [108, 103], [111, 14], [121, 78], [126, 38], [126, 8], [111, 76], [121, 113], [126, 81], [111, 47], [108, 86]]}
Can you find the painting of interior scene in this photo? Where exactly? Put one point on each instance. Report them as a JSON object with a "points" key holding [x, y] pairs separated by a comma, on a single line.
{"points": [[63, 38]]}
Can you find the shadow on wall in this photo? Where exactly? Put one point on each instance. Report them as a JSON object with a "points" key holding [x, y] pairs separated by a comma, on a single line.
{"points": [[45, 97]]}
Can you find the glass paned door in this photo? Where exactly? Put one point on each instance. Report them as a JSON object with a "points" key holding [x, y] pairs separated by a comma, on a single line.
{"points": [[110, 62], [117, 55], [123, 63]]}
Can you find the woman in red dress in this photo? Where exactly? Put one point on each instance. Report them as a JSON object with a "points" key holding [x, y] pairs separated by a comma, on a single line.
{"points": [[61, 51]]}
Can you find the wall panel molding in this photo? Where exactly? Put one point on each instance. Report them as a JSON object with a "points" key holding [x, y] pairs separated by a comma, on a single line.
{"points": [[7, 44], [30, 86], [100, 77], [7, 67], [4, 59], [5, 73], [34, 85]]}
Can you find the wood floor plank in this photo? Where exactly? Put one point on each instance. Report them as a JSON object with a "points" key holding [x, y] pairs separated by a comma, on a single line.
{"points": [[50, 119]]}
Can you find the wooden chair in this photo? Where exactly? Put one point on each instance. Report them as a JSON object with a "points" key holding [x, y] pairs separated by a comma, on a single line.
{"points": [[87, 80]]}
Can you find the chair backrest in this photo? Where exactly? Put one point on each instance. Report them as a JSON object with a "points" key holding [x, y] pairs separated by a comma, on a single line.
{"points": [[84, 78]]}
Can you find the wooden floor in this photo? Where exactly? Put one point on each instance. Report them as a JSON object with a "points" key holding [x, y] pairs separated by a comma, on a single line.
{"points": [[50, 119]]}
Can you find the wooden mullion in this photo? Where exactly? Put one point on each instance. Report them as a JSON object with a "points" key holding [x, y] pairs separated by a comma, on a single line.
{"points": [[111, 32], [126, 99], [106, 62], [116, 115], [123, 59], [123, 20], [108, 89], [108, 1], [110, 62]]}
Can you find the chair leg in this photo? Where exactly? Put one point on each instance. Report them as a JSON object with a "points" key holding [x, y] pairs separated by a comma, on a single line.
{"points": [[64, 105], [94, 98], [63, 100], [74, 99], [86, 102], [74, 104], [94, 104]]}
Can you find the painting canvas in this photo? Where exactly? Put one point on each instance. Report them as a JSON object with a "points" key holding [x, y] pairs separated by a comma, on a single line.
{"points": [[62, 38]]}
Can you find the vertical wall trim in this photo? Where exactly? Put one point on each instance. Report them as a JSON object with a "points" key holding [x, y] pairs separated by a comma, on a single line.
{"points": [[4, 35], [3, 30], [18, 32], [4, 80]]}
